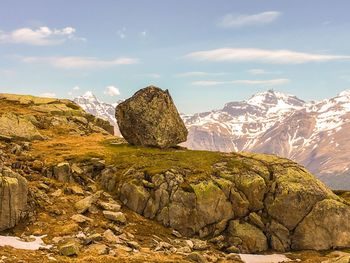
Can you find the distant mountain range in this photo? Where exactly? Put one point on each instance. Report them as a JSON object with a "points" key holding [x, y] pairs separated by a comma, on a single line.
{"points": [[94, 106], [315, 134]]}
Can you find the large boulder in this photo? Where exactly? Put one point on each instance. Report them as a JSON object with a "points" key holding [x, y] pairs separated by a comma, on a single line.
{"points": [[248, 238], [150, 118], [13, 198], [256, 202], [326, 226]]}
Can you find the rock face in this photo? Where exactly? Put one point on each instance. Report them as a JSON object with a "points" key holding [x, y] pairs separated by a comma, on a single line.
{"points": [[150, 118], [256, 202], [13, 198], [17, 127], [38, 115]]}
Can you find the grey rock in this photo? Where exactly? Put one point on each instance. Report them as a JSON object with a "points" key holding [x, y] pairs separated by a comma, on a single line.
{"points": [[118, 217], [133, 245], [115, 207], [248, 238], [109, 236], [325, 227], [81, 219], [70, 249], [13, 198], [97, 249], [18, 127], [150, 118], [196, 257], [62, 172]]}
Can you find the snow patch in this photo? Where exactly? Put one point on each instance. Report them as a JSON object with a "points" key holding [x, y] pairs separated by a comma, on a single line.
{"points": [[16, 242], [274, 258]]}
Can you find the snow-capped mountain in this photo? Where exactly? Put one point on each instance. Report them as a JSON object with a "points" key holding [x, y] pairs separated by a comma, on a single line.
{"points": [[315, 134], [100, 109]]}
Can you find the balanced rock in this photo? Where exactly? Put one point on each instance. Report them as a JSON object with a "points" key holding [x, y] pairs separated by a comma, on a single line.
{"points": [[150, 118], [13, 198]]}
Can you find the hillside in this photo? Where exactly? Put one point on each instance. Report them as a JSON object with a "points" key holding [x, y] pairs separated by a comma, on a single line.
{"points": [[313, 134], [98, 199]]}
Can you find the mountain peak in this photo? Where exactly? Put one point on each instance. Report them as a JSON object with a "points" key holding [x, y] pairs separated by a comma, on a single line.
{"points": [[89, 96], [345, 93], [271, 98]]}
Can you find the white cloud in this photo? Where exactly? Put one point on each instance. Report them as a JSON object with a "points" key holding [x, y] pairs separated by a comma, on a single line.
{"points": [[39, 37], [240, 20], [79, 62], [122, 33], [48, 95], [269, 82], [7, 73], [111, 91], [257, 71], [199, 74], [76, 88], [262, 55], [143, 33], [208, 83]]}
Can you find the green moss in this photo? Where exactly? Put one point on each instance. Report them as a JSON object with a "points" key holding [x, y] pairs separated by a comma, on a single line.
{"points": [[205, 190], [154, 161]]}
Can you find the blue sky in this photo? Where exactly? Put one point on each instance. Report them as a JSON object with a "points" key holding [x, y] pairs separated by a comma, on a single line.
{"points": [[205, 52]]}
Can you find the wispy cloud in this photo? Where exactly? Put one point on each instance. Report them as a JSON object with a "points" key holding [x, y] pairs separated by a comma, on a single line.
{"points": [[122, 33], [79, 62], [240, 20], [150, 75], [7, 73], [48, 95], [262, 55], [269, 82], [199, 74], [111, 91], [143, 34], [41, 36], [257, 71], [73, 90]]}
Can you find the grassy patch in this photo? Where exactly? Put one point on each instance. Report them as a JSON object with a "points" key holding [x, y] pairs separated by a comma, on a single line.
{"points": [[154, 160]]}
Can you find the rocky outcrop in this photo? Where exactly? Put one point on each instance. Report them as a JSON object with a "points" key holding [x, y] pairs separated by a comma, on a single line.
{"points": [[33, 118], [13, 198], [255, 202], [18, 128], [150, 118]]}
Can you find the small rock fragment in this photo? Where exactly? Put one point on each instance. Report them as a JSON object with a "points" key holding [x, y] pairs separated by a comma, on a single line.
{"points": [[98, 249], [81, 219], [196, 257], [133, 245], [114, 207], [118, 217], [69, 249]]}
